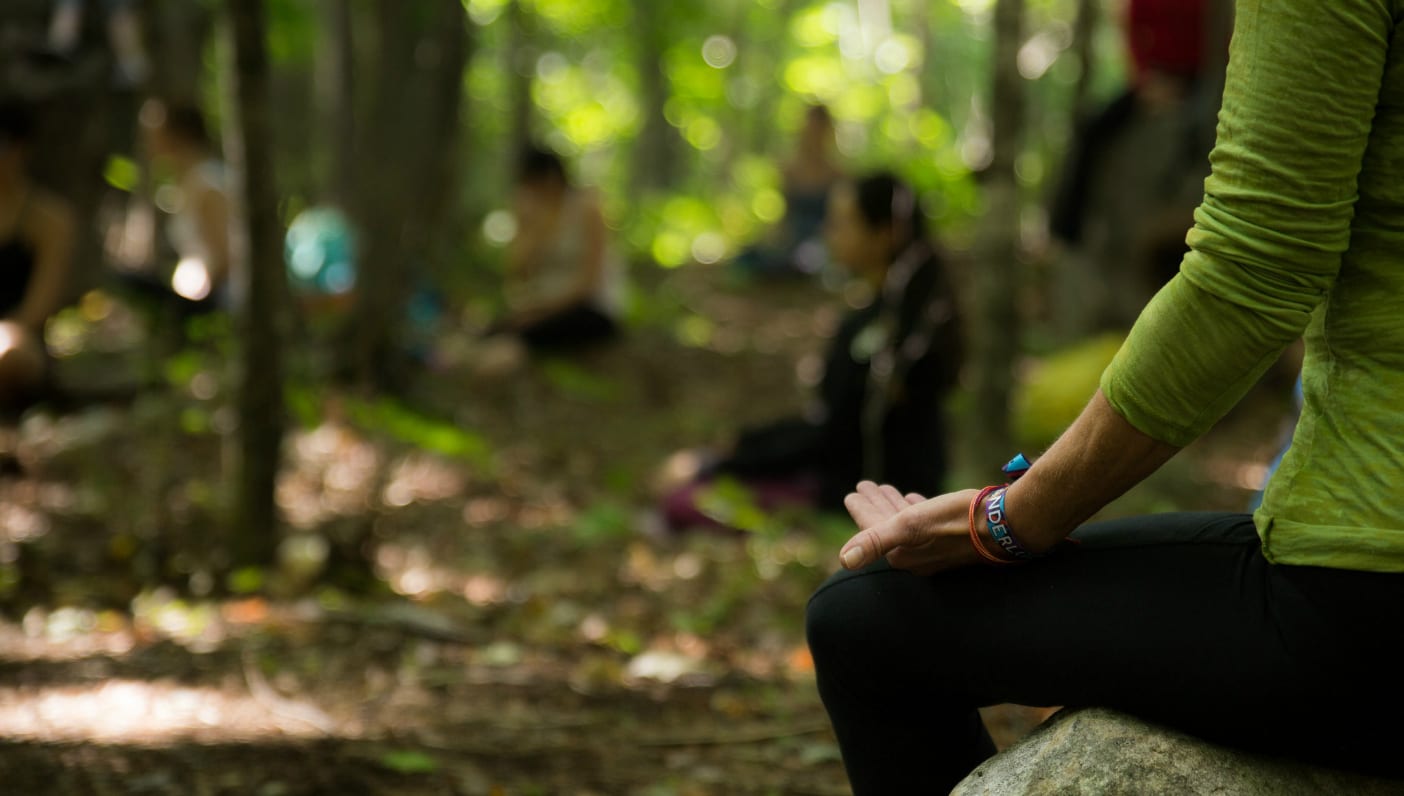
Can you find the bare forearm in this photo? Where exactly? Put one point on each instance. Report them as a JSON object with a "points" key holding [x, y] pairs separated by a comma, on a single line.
{"points": [[1094, 462]]}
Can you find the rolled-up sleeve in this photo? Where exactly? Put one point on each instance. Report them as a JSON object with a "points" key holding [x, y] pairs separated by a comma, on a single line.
{"points": [[1303, 83]]}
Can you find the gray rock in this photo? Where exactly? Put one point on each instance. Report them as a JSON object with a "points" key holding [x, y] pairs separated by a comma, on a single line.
{"points": [[1097, 752]]}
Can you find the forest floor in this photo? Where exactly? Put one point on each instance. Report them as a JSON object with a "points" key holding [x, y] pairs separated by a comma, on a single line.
{"points": [[525, 634]]}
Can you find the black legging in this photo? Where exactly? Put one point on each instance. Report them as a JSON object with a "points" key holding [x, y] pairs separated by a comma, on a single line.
{"points": [[1176, 618], [579, 325]]}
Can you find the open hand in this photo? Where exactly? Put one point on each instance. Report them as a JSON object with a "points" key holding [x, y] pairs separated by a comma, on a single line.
{"points": [[912, 532]]}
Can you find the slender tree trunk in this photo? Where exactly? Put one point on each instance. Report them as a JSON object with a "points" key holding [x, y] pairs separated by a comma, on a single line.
{"points": [[440, 154], [995, 327], [1083, 41], [656, 154], [177, 31], [260, 283], [408, 156], [336, 94], [521, 66]]}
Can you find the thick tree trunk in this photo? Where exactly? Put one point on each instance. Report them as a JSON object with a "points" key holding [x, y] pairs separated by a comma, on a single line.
{"points": [[260, 283], [407, 170], [995, 327]]}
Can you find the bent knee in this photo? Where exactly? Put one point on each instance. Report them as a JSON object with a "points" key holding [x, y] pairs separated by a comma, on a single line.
{"points": [[860, 614]]}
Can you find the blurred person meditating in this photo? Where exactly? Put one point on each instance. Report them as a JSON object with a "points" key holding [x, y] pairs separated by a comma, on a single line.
{"points": [[196, 199], [564, 280], [36, 245], [878, 406], [796, 245]]}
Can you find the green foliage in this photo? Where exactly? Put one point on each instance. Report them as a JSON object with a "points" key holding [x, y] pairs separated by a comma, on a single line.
{"points": [[731, 503], [391, 417], [1056, 389], [906, 86], [603, 521], [409, 761], [121, 173], [576, 382], [247, 580]]}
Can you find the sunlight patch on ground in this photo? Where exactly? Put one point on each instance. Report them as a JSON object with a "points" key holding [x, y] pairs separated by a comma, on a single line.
{"points": [[422, 477], [133, 711], [331, 473]]}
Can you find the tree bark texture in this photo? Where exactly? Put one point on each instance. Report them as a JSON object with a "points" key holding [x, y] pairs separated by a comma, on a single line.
{"points": [[336, 98], [259, 284], [1083, 40], [655, 158], [995, 327], [521, 67], [406, 170]]}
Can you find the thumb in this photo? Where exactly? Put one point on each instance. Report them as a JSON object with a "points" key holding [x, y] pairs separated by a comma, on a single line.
{"points": [[870, 544]]}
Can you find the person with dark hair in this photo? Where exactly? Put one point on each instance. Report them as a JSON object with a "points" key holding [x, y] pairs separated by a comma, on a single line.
{"points": [[36, 249], [1275, 631], [564, 280], [796, 245], [179, 143], [877, 411]]}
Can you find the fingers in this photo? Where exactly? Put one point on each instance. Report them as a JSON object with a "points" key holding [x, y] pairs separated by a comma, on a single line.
{"points": [[867, 546], [913, 499], [871, 504], [882, 496], [863, 512]]}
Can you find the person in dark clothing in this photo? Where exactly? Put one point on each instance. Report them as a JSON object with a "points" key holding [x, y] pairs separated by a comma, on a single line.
{"points": [[36, 243], [795, 246], [878, 406]]}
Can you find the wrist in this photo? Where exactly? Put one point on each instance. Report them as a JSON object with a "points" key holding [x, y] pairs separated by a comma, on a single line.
{"points": [[1039, 532]]}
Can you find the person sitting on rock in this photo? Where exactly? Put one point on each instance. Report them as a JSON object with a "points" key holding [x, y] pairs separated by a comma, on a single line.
{"points": [[1266, 631]]}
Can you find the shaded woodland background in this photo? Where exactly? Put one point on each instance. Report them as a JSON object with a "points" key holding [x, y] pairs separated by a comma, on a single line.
{"points": [[291, 554]]}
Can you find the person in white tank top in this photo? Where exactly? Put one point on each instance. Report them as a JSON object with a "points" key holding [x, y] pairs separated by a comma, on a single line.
{"points": [[198, 201], [564, 282]]}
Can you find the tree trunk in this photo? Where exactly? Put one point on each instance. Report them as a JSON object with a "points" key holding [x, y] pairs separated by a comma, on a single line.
{"points": [[336, 94], [260, 284], [995, 327], [521, 66], [407, 158], [656, 154], [176, 32], [1083, 40]]}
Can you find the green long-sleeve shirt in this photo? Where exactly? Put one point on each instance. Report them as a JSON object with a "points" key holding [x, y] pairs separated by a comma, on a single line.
{"points": [[1301, 232]]}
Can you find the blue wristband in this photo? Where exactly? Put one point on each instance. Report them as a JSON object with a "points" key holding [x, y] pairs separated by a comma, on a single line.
{"points": [[999, 527]]}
